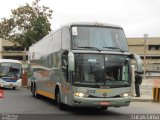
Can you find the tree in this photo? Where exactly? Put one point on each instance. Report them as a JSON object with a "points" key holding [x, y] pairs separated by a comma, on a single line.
{"points": [[27, 24]]}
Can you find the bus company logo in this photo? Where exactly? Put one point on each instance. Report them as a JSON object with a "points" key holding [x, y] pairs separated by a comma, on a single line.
{"points": [[92, 60], [105, 94]]}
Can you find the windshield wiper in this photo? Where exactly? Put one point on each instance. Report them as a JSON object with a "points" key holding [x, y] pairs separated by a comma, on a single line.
{"points": [[114, 48], [93, 48], [120, 84], [90, 82]]}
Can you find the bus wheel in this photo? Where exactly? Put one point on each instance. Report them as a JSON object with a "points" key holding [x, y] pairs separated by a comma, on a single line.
{"points": [[34, 93], [31, 88], [104, 108], [14, 88], [60, 104]]}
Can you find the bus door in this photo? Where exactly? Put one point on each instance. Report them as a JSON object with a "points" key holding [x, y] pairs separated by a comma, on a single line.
{"points": [[66, 79]]}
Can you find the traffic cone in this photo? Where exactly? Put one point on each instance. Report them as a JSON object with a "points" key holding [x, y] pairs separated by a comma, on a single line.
{"points": [[1, 93]]}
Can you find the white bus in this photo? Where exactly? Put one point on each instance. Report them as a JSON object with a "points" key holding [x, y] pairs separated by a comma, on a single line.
{"points": [[10, 73], [74, 62]]}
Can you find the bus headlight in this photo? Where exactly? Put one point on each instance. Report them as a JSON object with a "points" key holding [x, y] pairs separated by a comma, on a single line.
{"points": [[1, 81], [80, 94], [125, 95]]}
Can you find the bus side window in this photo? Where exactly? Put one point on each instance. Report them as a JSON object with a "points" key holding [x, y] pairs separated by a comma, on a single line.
{"points": [[65, 65]]}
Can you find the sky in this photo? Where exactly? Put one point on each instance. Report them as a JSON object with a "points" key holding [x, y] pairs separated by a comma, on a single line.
{"points": [[137, 17]]}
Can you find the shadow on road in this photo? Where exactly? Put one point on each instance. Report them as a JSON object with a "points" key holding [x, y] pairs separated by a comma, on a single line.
{"points": [[53, 112], [80, 110], [17, 89], [84, 113]]}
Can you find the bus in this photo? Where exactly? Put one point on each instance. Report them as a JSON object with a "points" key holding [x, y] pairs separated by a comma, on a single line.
{"points": [[73, 63], [10, 73]]}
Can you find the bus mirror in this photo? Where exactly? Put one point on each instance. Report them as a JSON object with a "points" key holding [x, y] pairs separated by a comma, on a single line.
{"points": [[71, 61], [138, 63]]}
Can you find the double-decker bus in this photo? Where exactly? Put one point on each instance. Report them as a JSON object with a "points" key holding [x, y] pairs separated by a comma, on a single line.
{"points": [[73, 64], [10, 73]]}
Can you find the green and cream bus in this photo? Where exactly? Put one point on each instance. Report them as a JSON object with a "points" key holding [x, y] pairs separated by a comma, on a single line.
{"points": [[10, 73], [73, 63]]}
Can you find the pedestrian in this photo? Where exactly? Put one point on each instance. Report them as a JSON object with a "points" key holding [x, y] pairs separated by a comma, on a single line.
{"points": [[138, 81]]}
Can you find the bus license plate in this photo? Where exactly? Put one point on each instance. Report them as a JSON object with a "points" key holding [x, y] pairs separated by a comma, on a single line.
{"points": [[104, 103]]}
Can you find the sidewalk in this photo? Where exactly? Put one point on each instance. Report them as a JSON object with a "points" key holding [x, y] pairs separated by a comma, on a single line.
{"points": [[143, 98], [146, 91]]}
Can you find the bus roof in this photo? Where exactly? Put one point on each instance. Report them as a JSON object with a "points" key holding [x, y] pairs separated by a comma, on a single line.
{"points": [[93, 24], [98, 24], [9, 60]]}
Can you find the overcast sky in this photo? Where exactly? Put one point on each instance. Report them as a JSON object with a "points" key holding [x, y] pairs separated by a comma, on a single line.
{"points": [[137, 17]]}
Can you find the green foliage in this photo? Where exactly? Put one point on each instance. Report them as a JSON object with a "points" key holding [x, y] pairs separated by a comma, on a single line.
{"points": [[27, 24]]}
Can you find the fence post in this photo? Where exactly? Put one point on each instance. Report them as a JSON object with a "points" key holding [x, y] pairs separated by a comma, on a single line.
{"points": [[156, 90]]}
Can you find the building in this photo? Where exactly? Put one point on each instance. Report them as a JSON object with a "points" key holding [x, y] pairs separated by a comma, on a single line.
{"points": [[149, 51], [8, 50]]}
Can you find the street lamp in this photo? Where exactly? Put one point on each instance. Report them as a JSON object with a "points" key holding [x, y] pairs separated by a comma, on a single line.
{"points": [[145, 51]]}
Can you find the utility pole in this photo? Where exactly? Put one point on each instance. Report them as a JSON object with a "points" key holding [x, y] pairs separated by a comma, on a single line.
{"points": [[145, 51]]}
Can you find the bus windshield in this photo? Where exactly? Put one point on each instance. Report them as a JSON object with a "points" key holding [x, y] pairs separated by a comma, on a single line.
{"points": [[102, 70], [8, 69], [102, 38]]}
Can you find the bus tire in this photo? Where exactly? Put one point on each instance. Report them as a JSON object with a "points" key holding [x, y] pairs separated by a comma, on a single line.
{"points": [[104, 108], [14, 88], [34, 93], [31, 88], [61, 106]]}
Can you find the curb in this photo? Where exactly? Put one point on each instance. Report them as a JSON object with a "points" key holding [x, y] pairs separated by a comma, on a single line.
{"points": [[141, 100]]}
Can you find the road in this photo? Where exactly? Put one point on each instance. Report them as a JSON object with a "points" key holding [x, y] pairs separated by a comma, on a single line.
{"points": [[20, 102]]}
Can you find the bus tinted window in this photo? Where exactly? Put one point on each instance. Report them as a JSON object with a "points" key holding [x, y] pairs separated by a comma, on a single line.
{"points": [[65, 38], [93, 69], [10, 69], [98, 37]]}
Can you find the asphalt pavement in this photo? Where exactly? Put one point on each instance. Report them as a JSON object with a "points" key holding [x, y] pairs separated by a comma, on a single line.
{"points": [[20, 105]]}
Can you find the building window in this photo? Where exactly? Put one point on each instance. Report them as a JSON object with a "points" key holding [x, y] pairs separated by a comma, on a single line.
{"points": [[154, 47], [13, 57], [13, 48]]}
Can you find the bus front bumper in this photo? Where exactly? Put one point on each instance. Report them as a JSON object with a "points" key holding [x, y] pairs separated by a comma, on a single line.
{"points": [[9, 84], [100, 102]]}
